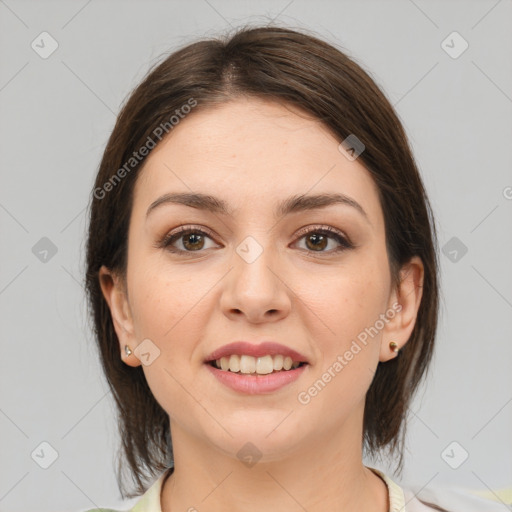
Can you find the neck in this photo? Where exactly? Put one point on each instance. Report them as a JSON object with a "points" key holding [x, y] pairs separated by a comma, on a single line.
{"points": [[326, 473]]}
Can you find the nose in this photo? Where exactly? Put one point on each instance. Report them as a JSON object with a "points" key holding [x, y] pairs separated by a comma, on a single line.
{"points": [[256, 288]]}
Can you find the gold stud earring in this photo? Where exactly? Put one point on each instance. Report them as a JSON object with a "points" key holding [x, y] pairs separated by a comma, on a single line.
{"points": [[127, 350], [394, 347]]}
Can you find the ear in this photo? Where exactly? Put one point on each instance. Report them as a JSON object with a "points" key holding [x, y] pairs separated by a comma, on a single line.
{"points": [[405, 301], [114, 291]]}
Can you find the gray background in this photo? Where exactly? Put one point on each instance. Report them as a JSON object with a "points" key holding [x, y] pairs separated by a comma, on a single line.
{"points": [[55, 116]]}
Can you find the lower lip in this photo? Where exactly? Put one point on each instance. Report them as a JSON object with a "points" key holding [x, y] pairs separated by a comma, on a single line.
{"points": [[256, 384]]}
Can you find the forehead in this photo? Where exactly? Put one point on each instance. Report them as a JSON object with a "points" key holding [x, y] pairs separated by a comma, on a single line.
{"points": [[253, 152]]}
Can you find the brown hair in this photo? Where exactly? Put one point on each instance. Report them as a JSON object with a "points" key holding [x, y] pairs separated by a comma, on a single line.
{"points": [[290, 67]]}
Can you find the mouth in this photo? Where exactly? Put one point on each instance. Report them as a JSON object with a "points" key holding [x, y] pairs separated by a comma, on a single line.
{"points": [[254, 366]]}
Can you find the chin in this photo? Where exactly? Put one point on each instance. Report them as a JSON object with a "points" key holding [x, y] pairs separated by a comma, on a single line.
{"points": [[259, 440]]}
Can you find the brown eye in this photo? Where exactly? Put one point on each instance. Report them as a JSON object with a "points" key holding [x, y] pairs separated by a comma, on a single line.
{"points": [[190, 239], [317, 239], [193, 241]]}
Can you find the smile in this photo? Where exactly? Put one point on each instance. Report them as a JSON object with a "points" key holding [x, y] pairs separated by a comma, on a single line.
{"points": [[249, 365], [253, 383]]}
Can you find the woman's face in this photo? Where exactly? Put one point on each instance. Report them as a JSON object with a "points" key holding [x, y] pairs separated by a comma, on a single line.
{"points": [[264, 270]]}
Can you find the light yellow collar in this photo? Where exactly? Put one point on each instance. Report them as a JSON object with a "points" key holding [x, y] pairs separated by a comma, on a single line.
{"points": [[150, 500]]}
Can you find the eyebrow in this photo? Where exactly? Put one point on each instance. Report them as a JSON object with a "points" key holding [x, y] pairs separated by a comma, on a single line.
{"points": [[293, 204]]}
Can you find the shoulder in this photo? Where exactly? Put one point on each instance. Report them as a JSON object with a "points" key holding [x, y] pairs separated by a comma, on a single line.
{"points": [[104, 510], [415, 504], [441, 498], [148, 502], [447, 500]]}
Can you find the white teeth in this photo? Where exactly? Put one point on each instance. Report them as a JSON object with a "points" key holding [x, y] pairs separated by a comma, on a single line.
{"points": [[234, 363], [278, 362], [264, 365], [261, 365], [247, 364]]}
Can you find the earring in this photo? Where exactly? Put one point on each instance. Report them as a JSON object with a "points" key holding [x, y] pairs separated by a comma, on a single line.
{"points": [[127, 350], [394, 347]]}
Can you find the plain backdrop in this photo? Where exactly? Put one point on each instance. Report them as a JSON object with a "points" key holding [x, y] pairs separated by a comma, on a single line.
{"points": [[66, 67]]}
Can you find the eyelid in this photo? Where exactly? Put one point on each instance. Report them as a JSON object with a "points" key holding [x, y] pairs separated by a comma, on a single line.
{"points": [[163, 241], [322, 227], [342, 239]]}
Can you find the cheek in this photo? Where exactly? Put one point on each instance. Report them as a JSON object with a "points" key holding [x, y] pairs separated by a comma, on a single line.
{"points": [[167, 310], [161, 301], [348, 346], [350, 299], [350, 306]]}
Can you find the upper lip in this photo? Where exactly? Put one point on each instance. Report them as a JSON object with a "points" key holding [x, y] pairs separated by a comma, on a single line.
{"points": [[262, 349]]}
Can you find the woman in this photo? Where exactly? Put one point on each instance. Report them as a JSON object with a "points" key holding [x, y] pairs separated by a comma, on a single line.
{"points": [[262, 272]]}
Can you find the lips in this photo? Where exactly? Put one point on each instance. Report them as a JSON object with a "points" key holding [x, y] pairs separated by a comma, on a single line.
{"points": [[262, 349]]}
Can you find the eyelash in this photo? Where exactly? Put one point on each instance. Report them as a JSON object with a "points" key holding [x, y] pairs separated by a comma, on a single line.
{"points": [[167, 241]]}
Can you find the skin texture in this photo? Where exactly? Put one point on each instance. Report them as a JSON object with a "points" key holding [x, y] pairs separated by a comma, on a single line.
{"points": [[254, 153]]}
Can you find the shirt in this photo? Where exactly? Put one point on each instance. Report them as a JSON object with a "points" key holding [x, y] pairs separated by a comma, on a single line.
{"points": [[400, 499]]}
